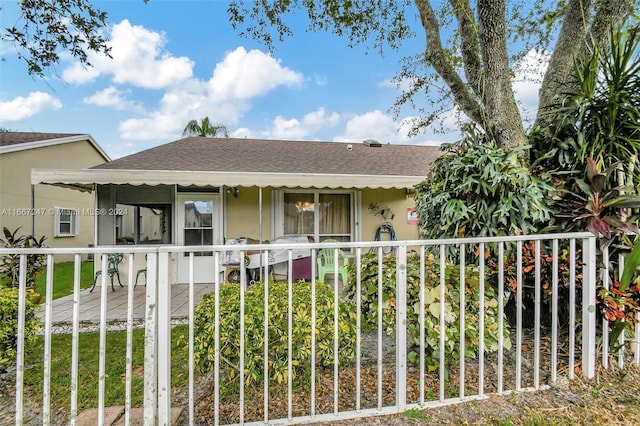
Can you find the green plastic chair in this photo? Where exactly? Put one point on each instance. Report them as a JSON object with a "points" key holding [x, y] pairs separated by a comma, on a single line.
{"points": [[326, 265], [113, 262]]}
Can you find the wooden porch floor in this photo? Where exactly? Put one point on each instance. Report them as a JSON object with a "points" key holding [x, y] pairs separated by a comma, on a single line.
{"points": [[62, 308]]}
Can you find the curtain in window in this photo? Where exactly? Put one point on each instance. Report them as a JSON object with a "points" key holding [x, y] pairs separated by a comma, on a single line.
{"points": [[298, 213], [334, 213]]}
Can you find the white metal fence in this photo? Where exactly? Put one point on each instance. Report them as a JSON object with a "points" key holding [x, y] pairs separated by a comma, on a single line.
{"points": [[542, 287]]}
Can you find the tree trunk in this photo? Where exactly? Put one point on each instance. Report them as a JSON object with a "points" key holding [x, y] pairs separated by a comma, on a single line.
{"points": [[560, 66], [503, 120], [581, 30]]}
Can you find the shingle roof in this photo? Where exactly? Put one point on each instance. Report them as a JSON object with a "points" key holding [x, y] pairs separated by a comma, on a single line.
{"points": [[277, 156], [23, 141], [14, 138]]}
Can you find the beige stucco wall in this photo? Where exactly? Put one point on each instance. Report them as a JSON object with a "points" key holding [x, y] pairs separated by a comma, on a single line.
{"points": [[243, 218], [243, 214], [15, 192], [397, 201]]}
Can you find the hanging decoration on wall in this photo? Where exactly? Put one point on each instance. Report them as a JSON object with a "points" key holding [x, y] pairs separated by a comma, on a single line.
{"points": [[382, 211]]}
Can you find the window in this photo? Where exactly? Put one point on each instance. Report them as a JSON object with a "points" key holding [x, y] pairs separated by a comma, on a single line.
{"points": [[198, 224], [119, 227], [143, 224], [323, 215], [65, 222]]}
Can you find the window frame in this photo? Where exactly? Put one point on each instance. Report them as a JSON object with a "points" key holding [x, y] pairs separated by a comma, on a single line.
{"points": [[74, 222], [279, 211], [134, 219]]}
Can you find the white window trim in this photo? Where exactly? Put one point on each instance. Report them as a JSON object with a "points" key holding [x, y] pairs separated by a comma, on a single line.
{"points": [[74, 228]]}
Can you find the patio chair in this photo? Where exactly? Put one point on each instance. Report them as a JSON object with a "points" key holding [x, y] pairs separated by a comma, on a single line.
{"points": [[326, 265], [142, 271], [113, 262]]}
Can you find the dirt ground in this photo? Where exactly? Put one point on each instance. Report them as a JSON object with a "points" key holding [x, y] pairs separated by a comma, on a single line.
{"points": [[611, 398]]}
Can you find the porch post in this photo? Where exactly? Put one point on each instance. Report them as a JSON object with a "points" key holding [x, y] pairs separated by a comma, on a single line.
{"points": [[260, 213], [151, 341], [589, 308], [33, 209], [401, 328], [164, 340], [260, 230]]}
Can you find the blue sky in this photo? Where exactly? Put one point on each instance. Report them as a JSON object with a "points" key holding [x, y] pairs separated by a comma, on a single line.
{"points": [[174, 61]]}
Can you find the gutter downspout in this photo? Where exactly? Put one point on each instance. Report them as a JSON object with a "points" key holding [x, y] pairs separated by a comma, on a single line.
{"points": [[260, 213], [260, 226], [33, 209]]}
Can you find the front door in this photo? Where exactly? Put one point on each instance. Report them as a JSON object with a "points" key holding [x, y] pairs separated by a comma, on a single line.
{"points": [[199, 218]]}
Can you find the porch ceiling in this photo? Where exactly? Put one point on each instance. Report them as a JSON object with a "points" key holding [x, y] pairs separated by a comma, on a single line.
{"points": [[85, 179]]}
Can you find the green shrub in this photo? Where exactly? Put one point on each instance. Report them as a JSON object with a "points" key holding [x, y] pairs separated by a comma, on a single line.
{"points": [[369, 309], [477, 189], [9, 324], [204, 336]]}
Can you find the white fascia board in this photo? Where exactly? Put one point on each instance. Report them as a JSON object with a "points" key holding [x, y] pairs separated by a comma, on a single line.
{"points": [[51, 142]]}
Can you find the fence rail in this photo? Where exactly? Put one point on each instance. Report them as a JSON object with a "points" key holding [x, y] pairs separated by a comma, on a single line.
{"points": [[418, 324]]}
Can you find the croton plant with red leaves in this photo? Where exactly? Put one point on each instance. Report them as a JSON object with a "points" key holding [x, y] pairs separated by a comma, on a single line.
{"points": [[617, 304]]}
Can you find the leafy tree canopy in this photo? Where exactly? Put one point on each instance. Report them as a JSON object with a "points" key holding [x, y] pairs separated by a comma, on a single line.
{"points": [[466, 63], [469, 51], [47, 27]]}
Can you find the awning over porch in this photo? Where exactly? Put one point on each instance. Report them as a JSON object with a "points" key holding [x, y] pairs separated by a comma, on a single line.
{"points": [[85, 179]]}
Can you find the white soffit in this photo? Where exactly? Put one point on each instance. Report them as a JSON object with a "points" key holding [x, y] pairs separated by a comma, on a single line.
{"points": [[85, 178]]}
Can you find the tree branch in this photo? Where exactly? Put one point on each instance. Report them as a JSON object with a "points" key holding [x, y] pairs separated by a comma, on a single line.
{"points": [[434, 55], [577, 38], [559, 70], [608, 13], [470, 45]]}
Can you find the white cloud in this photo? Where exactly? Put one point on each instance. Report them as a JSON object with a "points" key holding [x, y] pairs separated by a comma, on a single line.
{"points": [[113, 98], [529, 73], [371, 125], [244, 75], [224, 98], [320, 79], [294, 128], [24, 107], [308, 125], [138, 58], [243, 132], [156, 126], [383, 128]]}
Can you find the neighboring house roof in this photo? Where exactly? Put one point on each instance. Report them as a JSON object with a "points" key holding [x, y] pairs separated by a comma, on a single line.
{"points": [[258, 162], [21, 141]]}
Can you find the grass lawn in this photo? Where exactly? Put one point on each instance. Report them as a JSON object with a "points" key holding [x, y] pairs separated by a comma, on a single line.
{"points": [[63, 279], [88, 368]]}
